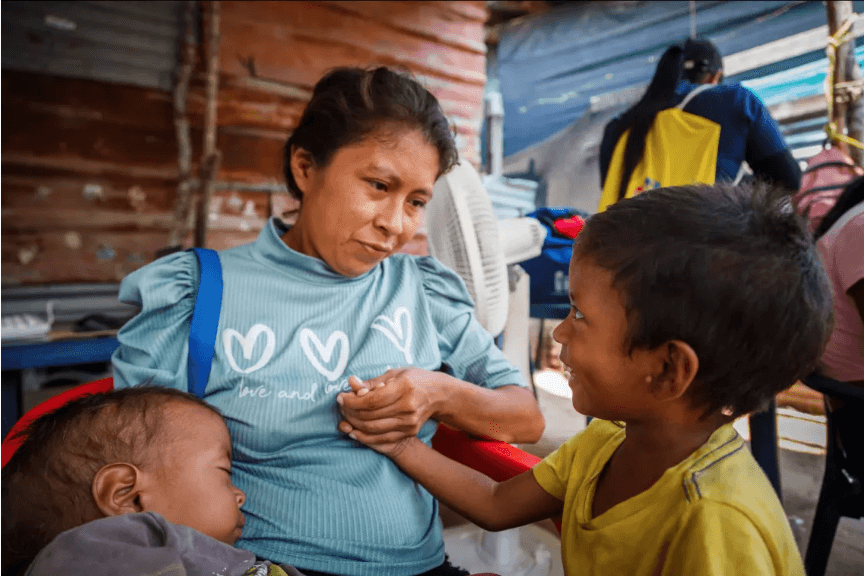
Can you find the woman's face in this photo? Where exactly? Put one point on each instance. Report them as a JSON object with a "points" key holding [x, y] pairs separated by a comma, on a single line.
{"points": [[366, 203]]}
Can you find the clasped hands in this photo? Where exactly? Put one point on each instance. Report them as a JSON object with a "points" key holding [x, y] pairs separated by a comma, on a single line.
{"points": [[387, 411]]}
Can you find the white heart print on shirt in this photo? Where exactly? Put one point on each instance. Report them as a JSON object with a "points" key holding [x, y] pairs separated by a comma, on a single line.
{"points": [[325, 352], [247, 343], [392, 328]]}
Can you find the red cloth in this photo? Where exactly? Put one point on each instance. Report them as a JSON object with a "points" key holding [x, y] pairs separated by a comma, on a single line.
{"points": [[570, 227]]}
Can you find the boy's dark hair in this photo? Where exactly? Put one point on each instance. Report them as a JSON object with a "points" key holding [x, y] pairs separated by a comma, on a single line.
{"points": [[731, 271], [47, 484], [349, 104]]}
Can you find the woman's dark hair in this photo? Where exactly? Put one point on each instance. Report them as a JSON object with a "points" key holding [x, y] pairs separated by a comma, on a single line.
{"points": [[852, 195], [696, 61], [700, 60], [349, 104], [47, 484], [731, 271]]}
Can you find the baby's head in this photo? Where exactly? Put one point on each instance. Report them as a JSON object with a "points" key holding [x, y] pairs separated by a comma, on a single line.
{"points": [[144, 449], [714, 293]]}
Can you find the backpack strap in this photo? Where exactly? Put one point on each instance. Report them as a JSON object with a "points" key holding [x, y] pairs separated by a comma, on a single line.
{"points": [[835, 164], [742, 169], [693, 93], [205, 320]]}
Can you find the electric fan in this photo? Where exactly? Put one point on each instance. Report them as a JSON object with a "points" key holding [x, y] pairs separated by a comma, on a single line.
{"points": [[465, 236]]}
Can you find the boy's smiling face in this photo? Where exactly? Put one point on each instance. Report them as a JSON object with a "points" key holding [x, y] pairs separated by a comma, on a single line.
{"points": [[606, 382], [190, 481]]}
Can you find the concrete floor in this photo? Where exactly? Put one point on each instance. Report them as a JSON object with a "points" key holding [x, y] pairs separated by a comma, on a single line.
{"points": [[801, 477]]}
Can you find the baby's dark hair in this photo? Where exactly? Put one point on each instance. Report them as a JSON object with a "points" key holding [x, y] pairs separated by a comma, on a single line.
{"points": [[47, 484], [349, 104], [731, 271]]}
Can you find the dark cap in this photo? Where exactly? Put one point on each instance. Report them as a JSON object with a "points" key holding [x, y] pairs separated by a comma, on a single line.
{"points": [[702, 56]]}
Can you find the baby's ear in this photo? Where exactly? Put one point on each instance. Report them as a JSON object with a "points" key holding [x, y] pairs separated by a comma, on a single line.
{"points": [[680, 364], [117, 489]]}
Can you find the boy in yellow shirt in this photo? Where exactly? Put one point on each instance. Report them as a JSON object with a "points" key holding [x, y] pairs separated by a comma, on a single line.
{"points": [[691, 306]]}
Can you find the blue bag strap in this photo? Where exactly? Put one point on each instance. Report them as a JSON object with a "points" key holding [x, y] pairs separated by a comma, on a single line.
{"points": [[205, 320]]}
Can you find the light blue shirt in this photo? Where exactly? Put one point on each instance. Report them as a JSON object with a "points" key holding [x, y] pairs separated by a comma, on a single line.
{"points": [[290, 333]]}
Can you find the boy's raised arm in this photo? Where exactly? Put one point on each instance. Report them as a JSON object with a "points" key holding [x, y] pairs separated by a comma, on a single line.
{"points": [[491, 505]]}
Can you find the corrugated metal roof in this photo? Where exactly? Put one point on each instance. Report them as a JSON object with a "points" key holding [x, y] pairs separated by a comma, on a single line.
{"points": [[123, 42], [806, 136]]}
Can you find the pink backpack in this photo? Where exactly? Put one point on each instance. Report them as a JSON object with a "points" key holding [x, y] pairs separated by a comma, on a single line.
{"points": [[822, 182]]}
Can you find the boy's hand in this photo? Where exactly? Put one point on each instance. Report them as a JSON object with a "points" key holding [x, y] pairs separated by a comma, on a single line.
{"points": [[390, 449], [382, 443], [389, 408]]}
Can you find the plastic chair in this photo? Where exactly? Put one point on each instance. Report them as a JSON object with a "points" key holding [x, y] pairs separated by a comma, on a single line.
{"points": [[841, 493]]}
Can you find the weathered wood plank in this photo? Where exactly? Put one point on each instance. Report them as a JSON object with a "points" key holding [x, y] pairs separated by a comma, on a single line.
{"points": [[64, 256], [87, 139], [297, 41], [239, 106], [73, 165], [430, 20], [74, 100], [79, 99], [235, 206], [248, 158], [94, 147], [229, 210], [457, 98], [47, 192], [28, 220]]}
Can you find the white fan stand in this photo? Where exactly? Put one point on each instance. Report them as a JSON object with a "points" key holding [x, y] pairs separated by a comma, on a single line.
{"points": [[527, 551]]}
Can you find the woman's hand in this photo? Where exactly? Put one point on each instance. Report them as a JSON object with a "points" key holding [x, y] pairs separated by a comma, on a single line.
{"points": [[395, 405], [384, 410]]}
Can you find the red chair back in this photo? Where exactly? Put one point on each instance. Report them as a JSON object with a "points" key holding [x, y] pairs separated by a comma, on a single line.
{"points": [[11, 443], [498, 460]]}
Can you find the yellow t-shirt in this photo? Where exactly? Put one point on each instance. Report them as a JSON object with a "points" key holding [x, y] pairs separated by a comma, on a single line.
{"points": [[714, 513]]}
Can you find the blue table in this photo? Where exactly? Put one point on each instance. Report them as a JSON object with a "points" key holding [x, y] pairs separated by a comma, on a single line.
{"points": [[17, 357]]}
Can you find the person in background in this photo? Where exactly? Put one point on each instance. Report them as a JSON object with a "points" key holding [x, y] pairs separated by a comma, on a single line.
{"points": [[840, 241], [678, 296], [747, 131], [134, 482], [307, 306]]}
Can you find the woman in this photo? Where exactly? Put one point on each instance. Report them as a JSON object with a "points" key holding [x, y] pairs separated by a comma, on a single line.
{"points": [[306, 307], [840, 241], [747, 131]]}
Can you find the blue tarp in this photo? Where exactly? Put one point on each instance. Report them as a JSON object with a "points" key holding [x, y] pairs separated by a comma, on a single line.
{"points": [[551, 65]]}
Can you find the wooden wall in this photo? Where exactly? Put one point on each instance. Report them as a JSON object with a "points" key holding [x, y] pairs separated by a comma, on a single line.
{"points": [[89, 168]]}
